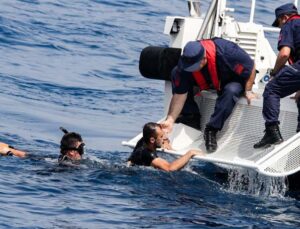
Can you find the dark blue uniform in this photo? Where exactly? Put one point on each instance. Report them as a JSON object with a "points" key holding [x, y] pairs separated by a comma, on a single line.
{"points": [[234, 67], [287, 80]]}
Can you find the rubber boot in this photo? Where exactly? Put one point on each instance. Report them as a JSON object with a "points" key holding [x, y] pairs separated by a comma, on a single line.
{"points": [[210, 137], [272, 136]]}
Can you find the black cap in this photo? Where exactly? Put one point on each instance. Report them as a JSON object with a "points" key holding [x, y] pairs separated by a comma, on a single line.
{"points": [[192, 55], [284, 9]]}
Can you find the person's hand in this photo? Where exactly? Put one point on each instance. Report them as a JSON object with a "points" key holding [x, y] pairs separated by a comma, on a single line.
{"points": [[297, 96], [4, 148], [167, 144], [196, 153], [167, 125], [250, 95]]}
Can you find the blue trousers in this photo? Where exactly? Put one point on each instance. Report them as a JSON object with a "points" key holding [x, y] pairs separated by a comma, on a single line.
{"points": [[225, 104], [285, 83]]}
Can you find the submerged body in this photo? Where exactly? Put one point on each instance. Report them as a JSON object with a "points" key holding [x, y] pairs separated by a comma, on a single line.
{"points": [[145, 151]]}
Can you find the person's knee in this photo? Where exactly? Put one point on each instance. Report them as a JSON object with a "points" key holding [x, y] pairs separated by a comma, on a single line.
{"points": [[233, 89], [270, 88]]}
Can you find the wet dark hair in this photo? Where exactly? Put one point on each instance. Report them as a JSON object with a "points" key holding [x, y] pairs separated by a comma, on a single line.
{"points": [[149, 131], [69, 141]]}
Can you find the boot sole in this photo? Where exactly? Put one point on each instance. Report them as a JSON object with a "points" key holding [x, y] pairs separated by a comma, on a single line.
{"points": [[211, 150], [267, 146]]}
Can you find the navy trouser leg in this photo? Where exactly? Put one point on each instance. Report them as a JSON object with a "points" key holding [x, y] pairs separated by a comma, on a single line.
{"points": [[225, 104], [298, 106], [286, 82], [190, 106]]}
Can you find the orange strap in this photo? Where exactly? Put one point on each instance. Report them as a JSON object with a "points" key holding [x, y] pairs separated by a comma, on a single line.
{"points": [[210, 49], [295, 17]]}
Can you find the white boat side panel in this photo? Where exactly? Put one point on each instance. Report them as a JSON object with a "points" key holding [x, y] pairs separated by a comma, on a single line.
{"points": [[188, 30]]}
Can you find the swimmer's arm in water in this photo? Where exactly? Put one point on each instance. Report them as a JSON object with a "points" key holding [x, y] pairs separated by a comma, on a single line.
{"points": [[6, 150], [178, 164]]}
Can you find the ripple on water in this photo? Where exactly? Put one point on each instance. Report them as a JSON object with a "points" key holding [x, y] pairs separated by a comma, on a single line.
{"points": [[75, 64]]}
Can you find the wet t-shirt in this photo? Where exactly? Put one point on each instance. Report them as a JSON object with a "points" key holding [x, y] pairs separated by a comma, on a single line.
{"points": [[141, 155]]}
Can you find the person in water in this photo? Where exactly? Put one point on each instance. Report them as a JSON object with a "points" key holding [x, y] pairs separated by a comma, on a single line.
{"points": [[145, 151], [7, 150], [71, 146]]}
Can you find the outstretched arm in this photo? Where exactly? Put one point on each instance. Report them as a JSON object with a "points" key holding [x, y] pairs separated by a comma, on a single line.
{"points": [[178, 164], [6, 150], [176, 105]]}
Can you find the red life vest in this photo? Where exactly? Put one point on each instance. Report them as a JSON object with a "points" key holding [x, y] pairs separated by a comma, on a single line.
{"points": [[295, 17], [210, 49]]}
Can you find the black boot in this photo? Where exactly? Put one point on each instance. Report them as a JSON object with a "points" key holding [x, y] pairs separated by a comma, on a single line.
{"points": [[272, 136], [210, 139]]}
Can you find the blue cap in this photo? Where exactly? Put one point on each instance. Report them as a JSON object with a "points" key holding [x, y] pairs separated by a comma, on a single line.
{"points": [[192, 55], [284, 9]]}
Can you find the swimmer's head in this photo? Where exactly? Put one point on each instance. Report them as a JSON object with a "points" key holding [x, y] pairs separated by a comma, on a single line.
{"points": [[71, 145], [153, 134]]}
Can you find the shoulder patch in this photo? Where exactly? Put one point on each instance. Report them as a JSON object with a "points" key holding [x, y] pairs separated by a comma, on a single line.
{"points": [[177, 79], [238, 68]]}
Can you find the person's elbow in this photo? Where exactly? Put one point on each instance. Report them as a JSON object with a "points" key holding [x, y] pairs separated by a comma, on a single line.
{"points": [[170, 168], [20, 154], [285, 52], [163, 165], [284, 55]]}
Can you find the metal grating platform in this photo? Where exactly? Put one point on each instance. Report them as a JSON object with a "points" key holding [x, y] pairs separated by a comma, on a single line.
{"points": [[235, 142], [242, 130]]}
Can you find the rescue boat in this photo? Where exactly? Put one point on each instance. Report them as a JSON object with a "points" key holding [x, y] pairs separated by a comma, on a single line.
{"points": [[245, 126]]}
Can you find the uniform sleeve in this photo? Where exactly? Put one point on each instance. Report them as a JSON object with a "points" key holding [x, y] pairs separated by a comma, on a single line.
{"points": [[286, 37], [238, 61], [180, 81]]}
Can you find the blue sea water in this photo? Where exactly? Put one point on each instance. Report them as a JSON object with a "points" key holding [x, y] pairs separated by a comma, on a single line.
{"points": [[75, 64]]}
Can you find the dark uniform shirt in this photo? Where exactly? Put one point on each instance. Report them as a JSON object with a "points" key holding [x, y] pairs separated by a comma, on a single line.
{"points": [[290, 36], [233, 65], [141, 155]]}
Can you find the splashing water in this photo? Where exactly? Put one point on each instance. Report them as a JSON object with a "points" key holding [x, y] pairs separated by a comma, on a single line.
{"points": [[251, 182]]}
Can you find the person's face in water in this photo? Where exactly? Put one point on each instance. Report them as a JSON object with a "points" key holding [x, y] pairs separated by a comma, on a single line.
{"points": [[75, 154]]}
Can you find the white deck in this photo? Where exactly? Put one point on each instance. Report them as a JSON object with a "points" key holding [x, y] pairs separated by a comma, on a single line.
{"points": [[235, 142]]}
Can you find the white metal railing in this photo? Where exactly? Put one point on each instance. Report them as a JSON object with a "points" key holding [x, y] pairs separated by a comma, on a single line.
{"points": [[252, 11]]}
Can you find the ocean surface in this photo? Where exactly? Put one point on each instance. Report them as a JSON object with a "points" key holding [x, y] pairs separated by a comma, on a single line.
{"points": [[75, 64]]}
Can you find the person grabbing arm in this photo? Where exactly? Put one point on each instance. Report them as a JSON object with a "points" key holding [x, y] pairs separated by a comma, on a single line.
{"points": [[145, 151], [178, 164], [176, 105]]}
